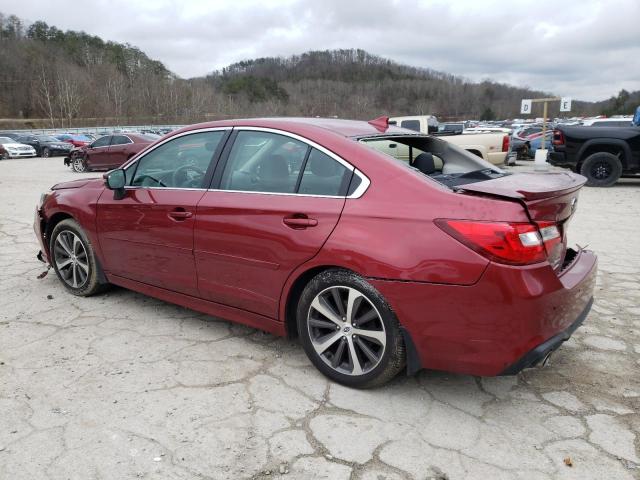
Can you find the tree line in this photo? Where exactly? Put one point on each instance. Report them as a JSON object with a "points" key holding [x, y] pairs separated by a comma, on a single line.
{"points": [[54, 78]]}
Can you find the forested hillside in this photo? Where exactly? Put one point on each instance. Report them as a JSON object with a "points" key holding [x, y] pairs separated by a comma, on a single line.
{"points": [[50, 77]]}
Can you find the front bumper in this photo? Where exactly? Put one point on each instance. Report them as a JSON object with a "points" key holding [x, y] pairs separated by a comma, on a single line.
{"points": [[487, 328], [26, 154], [559, 159], [38, 223]]}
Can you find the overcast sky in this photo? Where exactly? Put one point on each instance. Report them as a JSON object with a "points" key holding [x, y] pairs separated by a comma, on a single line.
{"points": [[587, 49]]}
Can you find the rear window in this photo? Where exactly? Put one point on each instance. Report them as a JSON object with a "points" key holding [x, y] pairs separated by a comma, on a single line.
{"points": [[441, 161], [411, 124]]}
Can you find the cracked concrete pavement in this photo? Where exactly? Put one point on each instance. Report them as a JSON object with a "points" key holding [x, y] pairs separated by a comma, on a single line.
{"points": [[123, 386]]}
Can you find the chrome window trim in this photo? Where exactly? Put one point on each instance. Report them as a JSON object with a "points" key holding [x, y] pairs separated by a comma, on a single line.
{"points": [[358, 192], [277, 193], [129, 187], [364, 180]]}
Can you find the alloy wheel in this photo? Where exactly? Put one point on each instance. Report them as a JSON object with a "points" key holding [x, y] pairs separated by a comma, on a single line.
{"points": [[78, 164], [70, 256], [601, 170], [346, 330]]}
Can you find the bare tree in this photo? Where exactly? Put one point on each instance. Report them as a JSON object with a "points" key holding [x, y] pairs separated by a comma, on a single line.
{"points": [[68, 94], [45, 94]]}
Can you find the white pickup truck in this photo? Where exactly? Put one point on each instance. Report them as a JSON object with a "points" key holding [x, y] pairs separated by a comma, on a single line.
{"points": [[492, 147]]}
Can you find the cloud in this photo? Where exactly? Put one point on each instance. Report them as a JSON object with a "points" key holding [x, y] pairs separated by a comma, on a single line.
{"points": [[586, 49]]}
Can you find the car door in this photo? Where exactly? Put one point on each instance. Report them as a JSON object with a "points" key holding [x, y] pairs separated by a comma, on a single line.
{"points": [[147, 236], [117, 153], [96, 155], [268, 213]]}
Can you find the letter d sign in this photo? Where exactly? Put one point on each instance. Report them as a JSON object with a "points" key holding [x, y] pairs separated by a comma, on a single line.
{"points": [[525, 107]]}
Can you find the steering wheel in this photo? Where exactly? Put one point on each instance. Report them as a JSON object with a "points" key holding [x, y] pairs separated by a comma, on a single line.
{"points": [[142, 181], [181, 175]]}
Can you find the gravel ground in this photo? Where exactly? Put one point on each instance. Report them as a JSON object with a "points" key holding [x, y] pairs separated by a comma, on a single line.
{"points": [[124, 386]]}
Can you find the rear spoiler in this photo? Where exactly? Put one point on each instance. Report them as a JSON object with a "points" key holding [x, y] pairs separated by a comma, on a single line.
{"points": [[529, 186]]}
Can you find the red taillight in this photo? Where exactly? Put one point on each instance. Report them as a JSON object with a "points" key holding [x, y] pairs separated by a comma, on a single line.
{"points": [[558, 137], [514, 243], [505, 143]]}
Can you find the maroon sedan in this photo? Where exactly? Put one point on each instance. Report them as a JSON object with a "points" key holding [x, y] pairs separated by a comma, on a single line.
{"points": [[108, 152], [303, 227]]}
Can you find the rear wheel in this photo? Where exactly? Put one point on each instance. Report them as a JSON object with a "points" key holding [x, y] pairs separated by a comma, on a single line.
{"points": [[602, 169], [348, 330], [46, 153], [74, 259]]}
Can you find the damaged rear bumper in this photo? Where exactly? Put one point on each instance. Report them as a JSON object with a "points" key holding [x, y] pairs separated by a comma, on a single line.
{"points": [[545, 349]]}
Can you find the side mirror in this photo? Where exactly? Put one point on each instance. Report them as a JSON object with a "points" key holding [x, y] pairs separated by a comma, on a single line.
{"points": [[115, 180]]}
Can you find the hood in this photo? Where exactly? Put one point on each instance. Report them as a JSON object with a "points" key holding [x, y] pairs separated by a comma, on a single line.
{"points": [[76, 183], [15, 145]]}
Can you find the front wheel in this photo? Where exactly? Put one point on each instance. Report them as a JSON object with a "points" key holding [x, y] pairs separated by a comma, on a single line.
{"points": [[46, 153], [78, 164], [602, 169], [348, 330], [74, 259]]}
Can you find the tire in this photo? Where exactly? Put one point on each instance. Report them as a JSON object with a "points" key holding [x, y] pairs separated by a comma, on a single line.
{"points": [[3, 156], [70, 250], [46, 153], [78, 164], [602, 169], [378, 359]]}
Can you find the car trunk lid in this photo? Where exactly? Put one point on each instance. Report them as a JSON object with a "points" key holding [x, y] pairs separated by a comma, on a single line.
{"points": [[548, 198]]}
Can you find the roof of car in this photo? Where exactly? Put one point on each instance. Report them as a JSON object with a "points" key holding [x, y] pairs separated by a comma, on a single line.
{"points": [[302, 125]]}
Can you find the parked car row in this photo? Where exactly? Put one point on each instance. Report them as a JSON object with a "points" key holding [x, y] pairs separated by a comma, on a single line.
{"points": [[47, 145]]}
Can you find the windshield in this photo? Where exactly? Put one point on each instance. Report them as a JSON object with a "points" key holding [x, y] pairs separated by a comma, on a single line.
{"points": [[441, 161], [47, 138], [5, 140], [81, 138]]}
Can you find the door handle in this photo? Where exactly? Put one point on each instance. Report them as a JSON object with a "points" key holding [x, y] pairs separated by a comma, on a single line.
{"points": [[300, 222], [179, 214]]}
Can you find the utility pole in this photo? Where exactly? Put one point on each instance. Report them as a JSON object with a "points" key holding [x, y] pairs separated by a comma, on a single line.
{"points": [[565, 106]]}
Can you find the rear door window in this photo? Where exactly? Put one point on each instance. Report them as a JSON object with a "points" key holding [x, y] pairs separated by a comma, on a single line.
{"points": [[324, 176], [101, 142], [272, 163], [263, 162], [120, 140]]}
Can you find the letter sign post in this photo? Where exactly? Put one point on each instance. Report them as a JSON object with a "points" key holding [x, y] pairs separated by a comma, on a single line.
{"points": [[565, 104], [525, 107]]}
